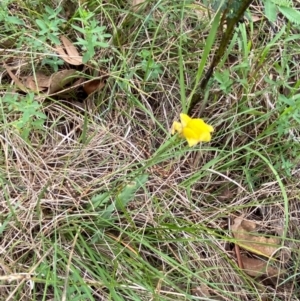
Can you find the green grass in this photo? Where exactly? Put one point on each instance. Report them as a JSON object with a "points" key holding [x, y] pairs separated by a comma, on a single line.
{"points": [[99, 201]]}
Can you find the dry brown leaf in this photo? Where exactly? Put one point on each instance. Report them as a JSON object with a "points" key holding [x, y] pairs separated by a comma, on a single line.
{"points": [[253, 241], [15, 79], [60, 79], [69, 52], [93, 86], [39, 83], [256, 267]]}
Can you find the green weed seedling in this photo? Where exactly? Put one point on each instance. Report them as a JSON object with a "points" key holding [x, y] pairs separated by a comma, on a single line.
{"points": [[151, 69], [26, 111], [285, 7], [94, 36], [50, 25]]}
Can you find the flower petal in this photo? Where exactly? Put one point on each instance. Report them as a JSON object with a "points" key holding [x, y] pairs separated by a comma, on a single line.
{"points": [[176, 127], [205, 137], [197, 131], [199, 126], [191, 141], [189, 134], [185, 119]]}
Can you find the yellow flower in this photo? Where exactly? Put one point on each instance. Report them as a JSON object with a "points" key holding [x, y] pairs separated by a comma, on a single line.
{"points": [[194, 130]]}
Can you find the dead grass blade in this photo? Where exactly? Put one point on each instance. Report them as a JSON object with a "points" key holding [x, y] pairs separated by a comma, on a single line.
{"points": [[136, 4], [201, 291], [15, 79]]}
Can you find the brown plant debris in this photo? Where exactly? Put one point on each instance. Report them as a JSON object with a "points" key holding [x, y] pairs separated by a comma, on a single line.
{"points": [[93, 86], [247, 238], [256, 267], [69, 52]]}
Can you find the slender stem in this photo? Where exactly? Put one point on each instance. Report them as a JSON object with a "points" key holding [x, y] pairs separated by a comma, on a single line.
{"points": [[232, 19]]}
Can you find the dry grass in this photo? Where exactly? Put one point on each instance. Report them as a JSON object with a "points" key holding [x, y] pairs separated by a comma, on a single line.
{"points": [[172, 241]]}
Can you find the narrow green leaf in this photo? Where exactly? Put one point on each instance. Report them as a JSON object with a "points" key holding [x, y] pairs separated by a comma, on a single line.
{"points": [[80, 29]]}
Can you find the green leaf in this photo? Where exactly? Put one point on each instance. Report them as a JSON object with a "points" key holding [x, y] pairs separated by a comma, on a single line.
{"points": [[14, 20], [129, 190], [54, 39], [42, 25], [270, 10], [204, 58], [80, 29], [100, 199], [125, 196], [4, 224], [290, 13], [38, 123], [86, 57], [286, 3], [52, 13], [102, 44]]}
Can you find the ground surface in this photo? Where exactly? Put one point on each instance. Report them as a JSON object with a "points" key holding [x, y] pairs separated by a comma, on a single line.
{"points": [[99, 201]]}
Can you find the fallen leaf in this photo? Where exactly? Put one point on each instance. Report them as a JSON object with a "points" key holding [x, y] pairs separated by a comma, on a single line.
{"points": [[15, 79], [257, 267], [93, 86], [69, 52], [246, 238], [60, 79], [39, 82]]}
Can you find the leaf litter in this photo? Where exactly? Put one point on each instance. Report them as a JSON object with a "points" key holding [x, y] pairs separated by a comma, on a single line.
{"points": [[55, 83], [60, 79], [41, 82], [69, 52], [256, 267], [92, 86], [38, 83], [247, 237], [18, 83]]}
